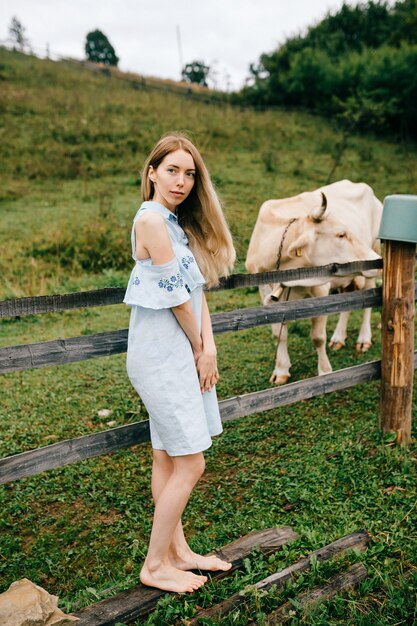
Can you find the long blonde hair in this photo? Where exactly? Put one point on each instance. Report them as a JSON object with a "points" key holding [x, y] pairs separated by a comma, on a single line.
{"points": [[200, 215]]}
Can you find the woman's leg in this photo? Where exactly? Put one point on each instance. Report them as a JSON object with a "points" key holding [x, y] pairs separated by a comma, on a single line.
{"points": [[157, 570], [162, 468], [180, 553]]}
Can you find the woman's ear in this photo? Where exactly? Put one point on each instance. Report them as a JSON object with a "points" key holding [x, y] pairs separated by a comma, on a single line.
{"points": [[151, 174]]}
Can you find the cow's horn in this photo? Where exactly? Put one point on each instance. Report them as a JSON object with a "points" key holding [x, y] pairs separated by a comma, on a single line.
{"points": [[318, 213]]}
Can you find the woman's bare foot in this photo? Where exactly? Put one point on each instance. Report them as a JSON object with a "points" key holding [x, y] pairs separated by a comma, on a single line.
{"points": [[190, 560], [170, 578]]}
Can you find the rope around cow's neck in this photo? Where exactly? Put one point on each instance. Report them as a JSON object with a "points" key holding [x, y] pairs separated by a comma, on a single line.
{"points": [[281, 245]]}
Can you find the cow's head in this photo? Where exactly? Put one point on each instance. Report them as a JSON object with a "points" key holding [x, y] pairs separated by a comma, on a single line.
{"points": [[320, 239]]}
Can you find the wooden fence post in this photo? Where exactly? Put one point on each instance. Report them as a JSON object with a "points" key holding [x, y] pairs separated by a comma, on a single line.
{"points": [[399, 232]]}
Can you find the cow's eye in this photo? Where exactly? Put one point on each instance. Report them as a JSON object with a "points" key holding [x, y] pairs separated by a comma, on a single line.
{"points": [[341, 235]]}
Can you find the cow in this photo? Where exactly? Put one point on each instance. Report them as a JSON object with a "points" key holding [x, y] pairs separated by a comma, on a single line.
{"points": [[337, 223]]}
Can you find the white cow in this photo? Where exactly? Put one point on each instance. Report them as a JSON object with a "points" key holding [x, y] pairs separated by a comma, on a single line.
{"points": [[337, 223]]}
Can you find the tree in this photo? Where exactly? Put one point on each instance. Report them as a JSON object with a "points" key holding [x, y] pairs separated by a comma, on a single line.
{"points": [[196, 72], [17, 32], [98, 49], [359, 65]]}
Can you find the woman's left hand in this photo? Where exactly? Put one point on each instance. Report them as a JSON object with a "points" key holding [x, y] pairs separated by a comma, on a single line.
{"points": [[207, 370]]}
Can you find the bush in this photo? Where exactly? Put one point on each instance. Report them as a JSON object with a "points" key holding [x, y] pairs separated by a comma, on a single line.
{"points": [[378, 88], [360, 64]]}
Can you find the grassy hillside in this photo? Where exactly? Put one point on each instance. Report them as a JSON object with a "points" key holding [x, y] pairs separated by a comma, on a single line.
{"points": [[72, 147], [73, 144]]}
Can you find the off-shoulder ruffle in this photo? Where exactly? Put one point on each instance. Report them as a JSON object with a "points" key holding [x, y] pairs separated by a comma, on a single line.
{"points": [[156, 286]]}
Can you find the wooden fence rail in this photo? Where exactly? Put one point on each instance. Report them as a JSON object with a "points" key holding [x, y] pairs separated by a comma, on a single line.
{"points": [[21, 307], [89, 446], [62, 351]]}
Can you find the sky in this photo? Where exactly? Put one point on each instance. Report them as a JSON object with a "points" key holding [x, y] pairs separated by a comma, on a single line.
{"points": [[227, 35]]}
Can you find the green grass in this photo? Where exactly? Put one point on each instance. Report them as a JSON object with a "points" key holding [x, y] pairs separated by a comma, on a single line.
{"points": [[69, 191]]}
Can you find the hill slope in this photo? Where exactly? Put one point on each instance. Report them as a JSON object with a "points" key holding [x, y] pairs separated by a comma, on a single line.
{"points": [[73, 143]]}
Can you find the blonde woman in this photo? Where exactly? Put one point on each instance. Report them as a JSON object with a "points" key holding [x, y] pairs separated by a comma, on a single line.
{"points": [[180, 241]]}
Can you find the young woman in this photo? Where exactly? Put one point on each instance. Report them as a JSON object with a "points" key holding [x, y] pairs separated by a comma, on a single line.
{"points": [[180, 241]]}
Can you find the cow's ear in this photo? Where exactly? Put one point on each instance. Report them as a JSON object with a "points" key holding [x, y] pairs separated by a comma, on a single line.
{"points": [[299, 246], [318, 212]]}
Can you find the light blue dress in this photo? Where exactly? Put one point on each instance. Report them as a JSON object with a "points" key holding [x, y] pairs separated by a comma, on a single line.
{"points": [[160, 361]]}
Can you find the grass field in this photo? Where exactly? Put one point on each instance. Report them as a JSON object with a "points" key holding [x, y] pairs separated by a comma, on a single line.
{"points": [[72, 146]]}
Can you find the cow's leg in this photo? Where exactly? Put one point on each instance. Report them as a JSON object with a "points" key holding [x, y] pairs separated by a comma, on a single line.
{"points": [[318, 336], [318, 333], [364, 341], [340, 332], [281, 372]]}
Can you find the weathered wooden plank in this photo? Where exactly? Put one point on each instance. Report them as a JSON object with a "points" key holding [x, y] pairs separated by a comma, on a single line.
{"points": [[130, 605], [47, 304], [267, 399], [240, 406], [284, 276], [242, 319], [397, 340], [357, 540], [309, 599], [72, 450], [62, 351]]}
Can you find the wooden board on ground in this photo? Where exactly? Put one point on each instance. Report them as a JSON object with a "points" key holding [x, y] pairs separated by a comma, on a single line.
{"points": [[309, 599], [357, 540], [130, 605]]}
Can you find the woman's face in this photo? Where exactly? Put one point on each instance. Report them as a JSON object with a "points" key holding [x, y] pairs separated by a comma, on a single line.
{"points": [[173, 179]]}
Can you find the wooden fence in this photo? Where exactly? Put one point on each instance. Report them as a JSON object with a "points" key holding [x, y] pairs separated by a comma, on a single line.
{"points": [[61, 351]]}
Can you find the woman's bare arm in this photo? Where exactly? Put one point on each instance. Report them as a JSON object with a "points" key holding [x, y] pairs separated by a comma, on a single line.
{"points": [[209, 345], [186, 319], [207, 362]]}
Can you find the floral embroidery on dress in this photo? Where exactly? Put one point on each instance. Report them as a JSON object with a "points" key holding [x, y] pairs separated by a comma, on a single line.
{"points": [[172, 283], [187, 260], [136, 281]]}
